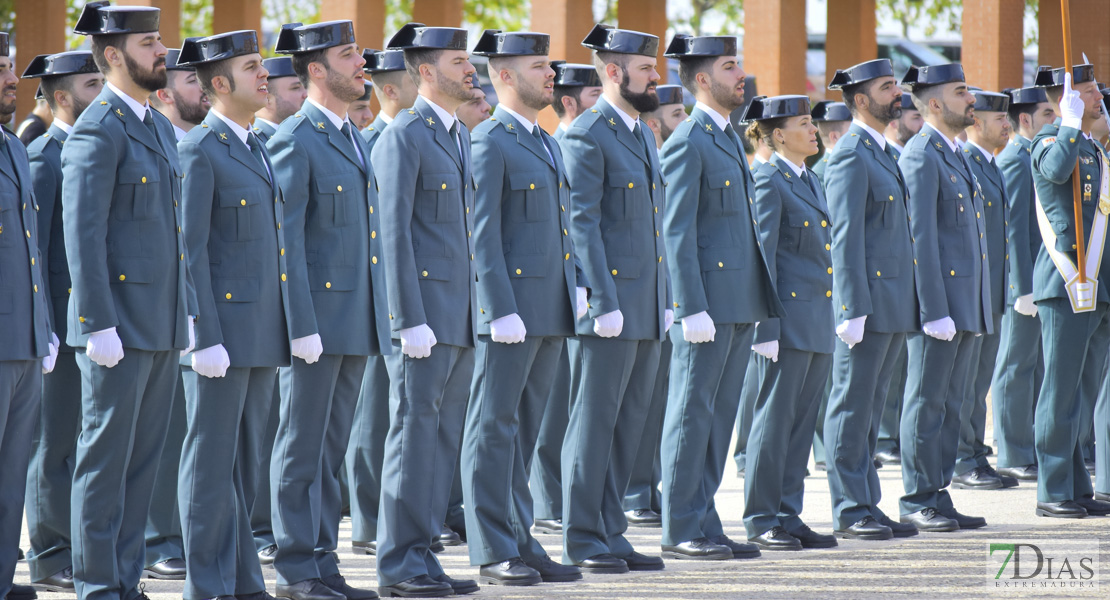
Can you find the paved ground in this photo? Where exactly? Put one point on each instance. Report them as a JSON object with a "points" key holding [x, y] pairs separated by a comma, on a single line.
{"points": [[941, 565]]}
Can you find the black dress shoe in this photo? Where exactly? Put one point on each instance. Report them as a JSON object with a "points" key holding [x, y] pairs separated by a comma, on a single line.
{"points": [[448, 537], [643, 562], [263, 595], [20, 556], [978, 478], [548, 526], [266, 555], [509, 572], [964, 521], [928, 519], [421, 586], [309, 589], [171, 568], [697, 549], [21, 592], [1061, 510], [1094, 507], [604, 564], [553, 572], [776, 538], [878, 463], [739, 550], [437, 547], [643, 517], [1022, 473], [339, 585], [811, 539], [1102, 496], [900, 530], [1007, 481], [461, 587], [62, 581], [889, 457], [370, 548], [866, 528]]}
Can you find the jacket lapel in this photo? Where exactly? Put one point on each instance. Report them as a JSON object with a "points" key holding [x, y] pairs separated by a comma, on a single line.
{"points": [[431, 121], [523, 137], [136, 129], [797, 184], [719, 136], [952, 158], [322, 125], [623, 133], [236, 149], [880, 155]]}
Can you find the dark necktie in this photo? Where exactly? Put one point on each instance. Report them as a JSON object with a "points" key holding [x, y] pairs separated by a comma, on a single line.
{"points": [[539, 137], [148, 120], [348, 133], [256, 149], [455, 136], [639, 130]]}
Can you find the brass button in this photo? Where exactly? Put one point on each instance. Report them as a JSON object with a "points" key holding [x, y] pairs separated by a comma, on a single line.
{"points": [[32, 260], [373, 234], [960, 195], [482, 310], [122, 277], [824, 223], [793, 294], [282, 252], [843, 307], [82, 319], [1072, 140], [28, 233], [182, 257], [567, 257], [629, 185], [727, 183], [327, 284], [368, 183], [891, 198], [660, 259], [952, 272], [656, 233], [562, 208], [36, 287], [878, 273], [915, 261], [443, 186], [144, 179], [371, 209], [1088, 177], [653, 185], [424, 273], [828, 247], [339, 188], [374, 259], [721, 265], [961, 208], [990, 203], [806, 223], [976, 214], [283, 276], [518, 271], [828, 294], [565, 232], [243, 202], [614, 271], [531, 186], [228, 295], [829, 270]]}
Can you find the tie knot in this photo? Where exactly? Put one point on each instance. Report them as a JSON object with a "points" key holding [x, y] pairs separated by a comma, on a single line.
{"points": [[536, 133]]}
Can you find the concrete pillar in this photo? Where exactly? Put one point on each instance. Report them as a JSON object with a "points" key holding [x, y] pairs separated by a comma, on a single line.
{"points": [[234, 15], [40, 28], [1090, 19], [368, 15], [774, 45], [648, 16], [438, 13], [169, 23], [992, 42], [850, 39]]}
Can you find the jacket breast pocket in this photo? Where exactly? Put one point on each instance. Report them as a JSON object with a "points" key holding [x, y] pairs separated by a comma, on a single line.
{"points": [[526, 266], [9, 222], [793, 234], [126, 271], [336, 195], [243, 289], [239, 214], [533, 188], [885, 198], [437, 269], [133, 193], [719, 259], [441, 202], [956, 267], [956, 207], [726, 188], [635, 197]]}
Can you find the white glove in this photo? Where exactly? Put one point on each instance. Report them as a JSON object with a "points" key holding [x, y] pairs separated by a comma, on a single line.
{"points": [[768, 350], [1025, 305], [417, 342], [668, 320], [307, 348], [51, 358], [698, 328], [192, 336], [104, 347], [610, 324], [581, 306], [507, 330], [1072, 106], [212, 361], [941, 329], [851, 331]]}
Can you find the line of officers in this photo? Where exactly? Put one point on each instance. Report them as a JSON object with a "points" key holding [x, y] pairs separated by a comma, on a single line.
{"points": [[475, 318]]}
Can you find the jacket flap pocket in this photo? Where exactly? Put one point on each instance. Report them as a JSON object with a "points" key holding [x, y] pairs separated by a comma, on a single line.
{"points": [[719, 259], [627, 179], [244, 289], [438, 269], [137, 174], [334, 184], [237, 196], [726, 179], [526, 181], [334, 279], [624, 268], [956, 267], [882, 268], [440, 181], [129, 270], [526, 266]]}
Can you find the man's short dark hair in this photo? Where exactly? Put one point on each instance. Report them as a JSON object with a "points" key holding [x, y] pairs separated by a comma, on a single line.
{"points": [[1054, 93], [828, 127], [602, 58], [423, 56], [387, 78], [565, 92], [689, 68], [922, 95], [849, 92], [1016, 110], [207, 71], [50, 85], [101, 42], [303, 59]]}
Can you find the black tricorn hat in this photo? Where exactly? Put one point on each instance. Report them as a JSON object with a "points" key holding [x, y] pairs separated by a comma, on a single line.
{"points": [[279, 66], [295, 38], [1050, 77], [1027, 95], [687, 46], [419, 35], [382, 61], [604, 38], [173, 55], [495, 42], [669, 94], [865, 71], [907, 102], [920, 77], [830, 111], [775, 107], [4, 48], [991, 101], [197, 51], [62, 63], [575, 74], [99, 18]]}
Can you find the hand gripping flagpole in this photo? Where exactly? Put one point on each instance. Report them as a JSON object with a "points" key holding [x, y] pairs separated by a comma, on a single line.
{"points": [[1077, 202]]}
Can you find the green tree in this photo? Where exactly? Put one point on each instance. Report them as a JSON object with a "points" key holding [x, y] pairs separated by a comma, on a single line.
{"points": [[730, 14]]}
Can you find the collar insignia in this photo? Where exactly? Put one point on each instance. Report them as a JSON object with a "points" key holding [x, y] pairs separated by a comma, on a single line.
{"points": [[510, 126], [709, 127], [223, 136], [612, 122], [319, 125], [430, 121], [119, 113]]}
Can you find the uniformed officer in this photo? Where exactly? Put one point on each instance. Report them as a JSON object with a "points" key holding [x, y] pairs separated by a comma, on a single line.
{"points": [[30, 349], [182, 101], [794, 218], [133, 300], [617, 206], [577, 88], [231, 209], [875, 297], [70, 82], [476, 110], [396, 91], [1073, 313], [426, 201], [284, 96], [528, 294], [643, 501], [723, 284], [832, 120], [337, 305], [899, 131], [1019, 368], [359, 111], [987, 135], [950, 250]]}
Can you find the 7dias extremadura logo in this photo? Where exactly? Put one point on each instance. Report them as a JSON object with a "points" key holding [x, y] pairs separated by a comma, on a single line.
{"points": [[1043, 566]]}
